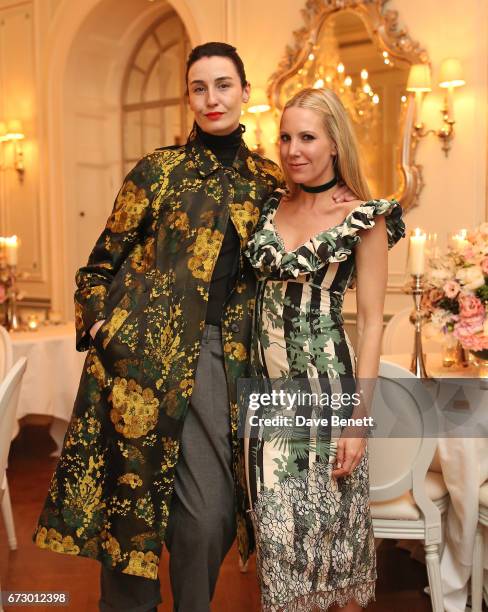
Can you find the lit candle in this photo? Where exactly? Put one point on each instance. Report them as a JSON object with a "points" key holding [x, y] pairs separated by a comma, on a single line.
{"points": [[432, 247], [12, 249], [459, 240], [32, 322], [417, 251]]}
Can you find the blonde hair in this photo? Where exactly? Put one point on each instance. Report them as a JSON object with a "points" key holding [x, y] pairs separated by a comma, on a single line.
{"points": [[339, 129]]}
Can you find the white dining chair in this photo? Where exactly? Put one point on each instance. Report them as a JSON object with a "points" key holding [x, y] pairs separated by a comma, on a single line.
{"points": [[9, 390], [398, 336], [407, 500], [478, 553], [6, 360], [6, 352]]}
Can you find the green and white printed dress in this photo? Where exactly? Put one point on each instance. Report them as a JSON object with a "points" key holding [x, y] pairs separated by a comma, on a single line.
{"points": [[314, 537]]}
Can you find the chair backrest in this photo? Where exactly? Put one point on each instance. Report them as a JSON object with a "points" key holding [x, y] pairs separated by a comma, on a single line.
{"points": [[398, 336], [9, 391], [6, 354], [399, 464]]}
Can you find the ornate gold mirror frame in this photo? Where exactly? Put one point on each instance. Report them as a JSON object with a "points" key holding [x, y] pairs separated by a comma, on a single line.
{"points": [[388, 38]]}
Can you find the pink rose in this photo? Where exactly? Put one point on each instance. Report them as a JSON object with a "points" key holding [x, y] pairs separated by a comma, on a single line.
{"points": [[451, 289], [468, 327], [471, 306], [484, 266], [476, 342]]}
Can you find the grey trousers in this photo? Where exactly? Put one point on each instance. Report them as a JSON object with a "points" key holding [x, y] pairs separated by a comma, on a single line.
{"points": [[201, 526]]}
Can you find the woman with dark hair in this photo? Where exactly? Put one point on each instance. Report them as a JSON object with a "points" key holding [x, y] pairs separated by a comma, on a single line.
{"points": [[151, 455], [308, 475]]}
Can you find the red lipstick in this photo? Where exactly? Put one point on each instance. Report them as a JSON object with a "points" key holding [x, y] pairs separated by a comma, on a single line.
{"points": [[213, 116]]}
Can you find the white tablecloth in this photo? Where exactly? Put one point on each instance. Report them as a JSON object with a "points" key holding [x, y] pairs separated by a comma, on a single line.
{"points": [[50, 382], [464, 463]]}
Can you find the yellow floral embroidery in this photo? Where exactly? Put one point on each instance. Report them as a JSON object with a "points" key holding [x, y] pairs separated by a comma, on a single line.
{"points": [[83, 496], [170, 342], [144, 565], [118, 316], [144, 509], [272, 169], [178, 220], [112, 546], [78, 316], [235, 350], [245, 217], [170, 448], [96, 368], [54, 541], [129, 208], [133, 480], [251, 164], [135, 411], [205, 251], [203, 291], [187, 387], [143, 256]]}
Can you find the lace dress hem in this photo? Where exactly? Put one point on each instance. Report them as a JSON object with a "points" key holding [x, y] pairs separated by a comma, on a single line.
{"points": [[321, 601]]}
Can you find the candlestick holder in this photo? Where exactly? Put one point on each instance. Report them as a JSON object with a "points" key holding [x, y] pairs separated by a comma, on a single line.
{"points": [[10, 295], [417, 317]]}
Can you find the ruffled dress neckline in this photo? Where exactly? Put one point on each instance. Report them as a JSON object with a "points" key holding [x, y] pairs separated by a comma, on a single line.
{"points": [[268, 255], [317, 236]]}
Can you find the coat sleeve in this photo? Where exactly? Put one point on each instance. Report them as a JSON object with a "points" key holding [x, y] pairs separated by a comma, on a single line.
{"points": [[127, 225], [274, 174]]}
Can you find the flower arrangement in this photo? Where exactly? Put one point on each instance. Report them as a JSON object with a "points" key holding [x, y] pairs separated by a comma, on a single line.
{"points": [[456, 298]]}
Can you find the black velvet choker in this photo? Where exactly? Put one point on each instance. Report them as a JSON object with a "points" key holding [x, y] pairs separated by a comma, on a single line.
{"points": [[319, 188]]}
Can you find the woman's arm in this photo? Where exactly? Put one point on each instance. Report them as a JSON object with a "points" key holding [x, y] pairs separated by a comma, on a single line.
{"points": [[372, 275], [126, 226]]}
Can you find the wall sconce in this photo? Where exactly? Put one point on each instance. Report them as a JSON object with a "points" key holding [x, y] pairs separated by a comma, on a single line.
{"points": [[259, 105], [419, 82], [13, 132]]}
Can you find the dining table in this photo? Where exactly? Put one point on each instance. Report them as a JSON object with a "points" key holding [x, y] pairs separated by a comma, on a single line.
{"points": [[52, 376], [464, 464]]}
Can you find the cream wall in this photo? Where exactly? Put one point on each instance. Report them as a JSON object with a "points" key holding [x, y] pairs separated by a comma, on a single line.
{"points": [[78, 51]]}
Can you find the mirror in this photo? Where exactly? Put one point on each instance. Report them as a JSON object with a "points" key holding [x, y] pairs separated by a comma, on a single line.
{"points": [[360, 54]]}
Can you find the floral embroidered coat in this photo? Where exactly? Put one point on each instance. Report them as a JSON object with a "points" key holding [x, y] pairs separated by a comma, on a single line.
{"points": [[148, 277]]}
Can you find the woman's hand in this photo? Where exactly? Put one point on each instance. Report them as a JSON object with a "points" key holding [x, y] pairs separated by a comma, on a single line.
{"points": [[350, 451], [342, 193], [95, 327]]}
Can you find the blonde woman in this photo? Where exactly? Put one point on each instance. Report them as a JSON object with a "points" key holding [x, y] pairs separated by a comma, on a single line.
{"points": [[307, 474]]}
